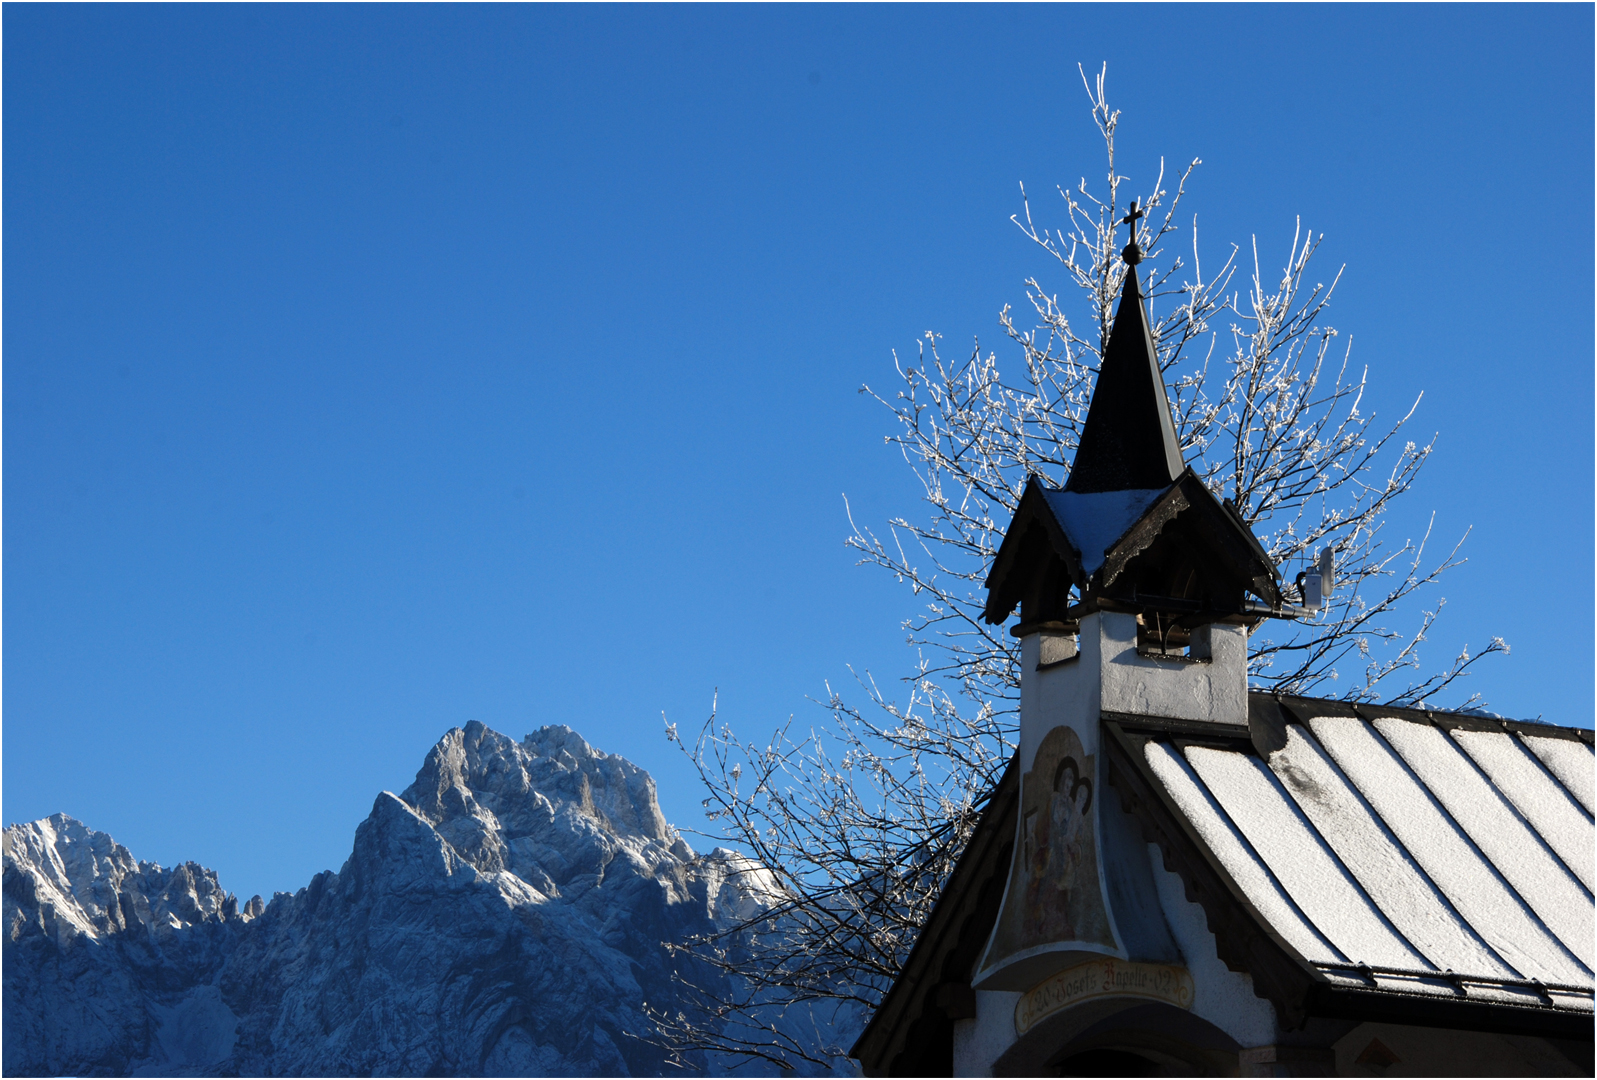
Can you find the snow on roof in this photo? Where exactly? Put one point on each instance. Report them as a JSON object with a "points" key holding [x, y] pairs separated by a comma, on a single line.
{"points": [[1404, 866], [1450, 858], [1095, 520]]}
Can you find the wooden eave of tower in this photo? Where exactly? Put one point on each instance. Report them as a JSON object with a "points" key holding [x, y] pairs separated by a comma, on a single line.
{"points": [[1187, 553], [1035, 544], [1225, 557]]}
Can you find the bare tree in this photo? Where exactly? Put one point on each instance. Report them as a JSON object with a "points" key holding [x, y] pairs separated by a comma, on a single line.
{"points": [[858, 823]]}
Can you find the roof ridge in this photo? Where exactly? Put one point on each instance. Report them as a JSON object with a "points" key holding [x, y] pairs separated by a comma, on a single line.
{"points": [[1441, 717]]}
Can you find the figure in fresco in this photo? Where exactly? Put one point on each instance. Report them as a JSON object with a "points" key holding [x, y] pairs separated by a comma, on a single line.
{"points": [[1062, 836], [1054, 892], [1067, 822]]}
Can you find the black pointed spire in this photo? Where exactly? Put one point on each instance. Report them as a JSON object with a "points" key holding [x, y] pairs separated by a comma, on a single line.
{"points": [[1129, 440]]}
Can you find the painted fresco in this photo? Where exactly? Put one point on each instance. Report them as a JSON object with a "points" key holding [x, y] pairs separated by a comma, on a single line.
{"points": [[1054, 891]]}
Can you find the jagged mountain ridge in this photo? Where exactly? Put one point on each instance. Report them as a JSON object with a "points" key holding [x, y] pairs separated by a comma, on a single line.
{"points": [[503, 915]]}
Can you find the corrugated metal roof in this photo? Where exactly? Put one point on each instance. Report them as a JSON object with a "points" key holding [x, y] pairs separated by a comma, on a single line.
{"points": [[1397, 854]]}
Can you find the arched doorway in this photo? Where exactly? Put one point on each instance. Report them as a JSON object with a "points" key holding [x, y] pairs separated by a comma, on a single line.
{"points": [[1137, 1038]]}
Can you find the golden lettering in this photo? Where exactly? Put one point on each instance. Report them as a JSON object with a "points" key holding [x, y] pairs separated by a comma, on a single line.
{"points": [[1102, 978]]}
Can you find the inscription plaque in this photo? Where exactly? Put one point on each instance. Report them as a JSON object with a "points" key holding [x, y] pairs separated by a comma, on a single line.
{"points": [[1102, 978]]}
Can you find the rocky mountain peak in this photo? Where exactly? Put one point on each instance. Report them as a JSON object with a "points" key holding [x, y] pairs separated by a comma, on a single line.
{"points": [[507, 914], [84, 882], [548, 808]]}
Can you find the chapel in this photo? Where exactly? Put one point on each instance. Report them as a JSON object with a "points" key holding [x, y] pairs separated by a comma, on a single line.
{"points": [[1178, 876]]}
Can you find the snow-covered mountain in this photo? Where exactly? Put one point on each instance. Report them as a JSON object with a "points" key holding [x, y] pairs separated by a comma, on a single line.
{"points": [[502, 916]]}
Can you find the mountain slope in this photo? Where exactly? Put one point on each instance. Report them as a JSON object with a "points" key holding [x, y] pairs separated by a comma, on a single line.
{"points": [[503, 915]]}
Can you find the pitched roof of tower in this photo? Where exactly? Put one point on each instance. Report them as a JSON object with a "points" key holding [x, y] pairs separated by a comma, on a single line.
{"points": [[1120, 504], [1129, 441]]}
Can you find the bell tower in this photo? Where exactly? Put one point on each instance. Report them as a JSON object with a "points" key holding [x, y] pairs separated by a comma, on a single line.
{"points": [[1136, 588]]}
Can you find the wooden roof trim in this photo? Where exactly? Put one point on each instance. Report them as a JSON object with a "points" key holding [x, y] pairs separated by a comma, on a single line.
{"points": [[1427, 1010], [1003, 592], [1229, 508], [1143, 532], [1221, 531], [1227, 535]]}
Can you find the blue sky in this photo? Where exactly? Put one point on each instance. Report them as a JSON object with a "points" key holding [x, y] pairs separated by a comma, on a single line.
{"points": [[369, 370]]}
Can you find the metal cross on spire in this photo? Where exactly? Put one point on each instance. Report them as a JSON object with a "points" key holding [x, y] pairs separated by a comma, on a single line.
{"points": [[1132, 254]]}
